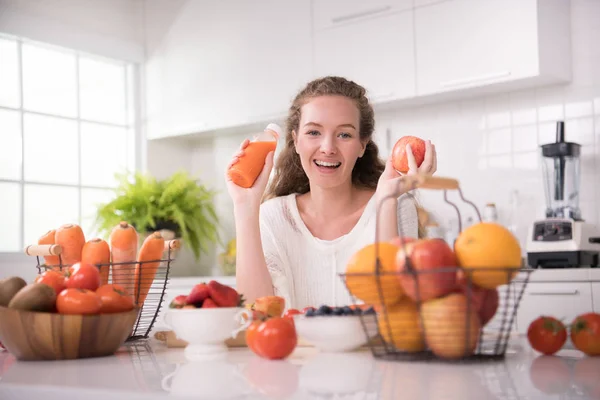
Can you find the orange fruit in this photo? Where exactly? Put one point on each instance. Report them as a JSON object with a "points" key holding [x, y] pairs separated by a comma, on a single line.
{"points": [[367, 287], [400, 326], [489, 253]]}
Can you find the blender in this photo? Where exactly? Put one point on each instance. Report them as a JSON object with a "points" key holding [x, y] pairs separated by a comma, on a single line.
{"points": [[563, 239]]}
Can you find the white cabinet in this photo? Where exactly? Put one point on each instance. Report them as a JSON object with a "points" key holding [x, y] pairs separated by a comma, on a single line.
{"points": [[376, 53], [216, 65], [331, 13], [596, 296], [561, 300], [465, 44]]}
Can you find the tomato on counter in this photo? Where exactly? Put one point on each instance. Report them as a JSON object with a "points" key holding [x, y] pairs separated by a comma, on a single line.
{"points": [[547, 335], [585, 333], [78, 301], [273, 339]]}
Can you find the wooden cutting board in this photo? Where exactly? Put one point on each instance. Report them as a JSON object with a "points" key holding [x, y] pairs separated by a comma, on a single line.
{"points": [[173, 341]]}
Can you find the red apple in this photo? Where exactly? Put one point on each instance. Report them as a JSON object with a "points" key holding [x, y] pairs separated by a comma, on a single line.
{"points": [[432, 261], [399, 157], [450, 331], [485, 301], [272, 306]]}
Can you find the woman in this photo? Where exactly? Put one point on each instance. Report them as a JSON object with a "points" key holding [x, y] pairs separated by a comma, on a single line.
{"points": [[322, 200]]}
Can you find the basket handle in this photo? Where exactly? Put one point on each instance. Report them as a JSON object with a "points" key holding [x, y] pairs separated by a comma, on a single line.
{"points": [[172, 244], [43, 250], [430, 182]]}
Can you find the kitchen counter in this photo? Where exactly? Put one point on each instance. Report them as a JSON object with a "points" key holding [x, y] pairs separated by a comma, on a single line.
{"points": [[148, 370]]}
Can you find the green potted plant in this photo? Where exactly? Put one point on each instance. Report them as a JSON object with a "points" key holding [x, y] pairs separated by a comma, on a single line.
{"points": [[179, 203]]}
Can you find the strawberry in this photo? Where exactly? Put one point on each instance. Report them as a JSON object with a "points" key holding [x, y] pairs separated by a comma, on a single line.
{"points": [[209, 303], [224, 296], [198, 294], [178, 302]]}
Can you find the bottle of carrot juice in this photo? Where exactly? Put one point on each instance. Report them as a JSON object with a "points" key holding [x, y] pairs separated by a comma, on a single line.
{"points": [[246, 170]]}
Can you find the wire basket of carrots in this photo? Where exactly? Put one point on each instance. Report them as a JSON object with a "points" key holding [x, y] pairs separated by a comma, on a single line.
{"points": [[435, 301], [120, 270]]}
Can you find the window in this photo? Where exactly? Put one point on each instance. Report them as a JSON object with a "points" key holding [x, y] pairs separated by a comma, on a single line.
{"points": [[66, 128]]}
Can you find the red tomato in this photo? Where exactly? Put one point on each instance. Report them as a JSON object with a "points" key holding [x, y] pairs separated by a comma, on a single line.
{"points": [[78, 301], [83, 276], [291, 312], [114, 299], [251, 337], [585, 333], [273, 339], [54, 279], [547, 335]]}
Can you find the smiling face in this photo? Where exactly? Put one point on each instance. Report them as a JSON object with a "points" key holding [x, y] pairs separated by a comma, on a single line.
{"points": [[328, 140]]}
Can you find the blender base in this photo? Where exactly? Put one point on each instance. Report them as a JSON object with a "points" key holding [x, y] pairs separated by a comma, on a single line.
{"points": [[563, 259]]}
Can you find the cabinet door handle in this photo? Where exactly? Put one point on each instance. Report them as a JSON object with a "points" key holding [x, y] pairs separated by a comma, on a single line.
{"points": [[365, 13], [475, 79], [557, 293]]}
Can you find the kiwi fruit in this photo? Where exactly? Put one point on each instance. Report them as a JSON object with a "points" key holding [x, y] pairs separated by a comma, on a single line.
{"points": [[9, 287], [34, 297]]}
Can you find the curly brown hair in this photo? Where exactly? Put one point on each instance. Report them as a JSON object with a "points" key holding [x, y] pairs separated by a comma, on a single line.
{"points": [[289, 174]]}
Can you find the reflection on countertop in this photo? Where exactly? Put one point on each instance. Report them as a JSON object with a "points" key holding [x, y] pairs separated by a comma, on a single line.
{"points": [[149, 370]]}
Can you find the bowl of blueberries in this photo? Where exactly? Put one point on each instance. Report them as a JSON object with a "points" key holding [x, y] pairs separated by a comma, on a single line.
{"points": [[337, 329]]}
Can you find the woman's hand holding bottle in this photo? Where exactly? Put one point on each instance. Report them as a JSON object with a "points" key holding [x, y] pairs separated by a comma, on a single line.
{"points": [[249, 170], [251, 196]]}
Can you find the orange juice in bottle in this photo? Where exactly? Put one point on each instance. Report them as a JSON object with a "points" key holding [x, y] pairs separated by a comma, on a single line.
{"points": [[244, 172]]}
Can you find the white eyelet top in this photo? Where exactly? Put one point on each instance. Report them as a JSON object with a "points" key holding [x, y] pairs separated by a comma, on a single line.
{"points": [[305, 269]]}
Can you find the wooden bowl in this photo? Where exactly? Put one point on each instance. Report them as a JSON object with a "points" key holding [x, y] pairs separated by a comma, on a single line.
{"points": [[51, 336]]}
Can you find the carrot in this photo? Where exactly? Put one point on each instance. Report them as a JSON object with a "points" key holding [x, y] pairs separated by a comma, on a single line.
{"points": [[123, 246], [48, 238], [71, 238], [152, 249], [94, 252]]}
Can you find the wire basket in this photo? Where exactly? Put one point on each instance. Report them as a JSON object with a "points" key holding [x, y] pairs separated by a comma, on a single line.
{"points": [[439, 313], [127, 275]]}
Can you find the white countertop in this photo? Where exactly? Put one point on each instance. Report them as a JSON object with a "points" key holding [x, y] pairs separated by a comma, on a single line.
{"points": [[148, 370]]}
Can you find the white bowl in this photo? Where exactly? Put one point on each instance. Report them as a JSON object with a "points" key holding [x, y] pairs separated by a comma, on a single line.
{"points": [[335, 333], [206, 329]]}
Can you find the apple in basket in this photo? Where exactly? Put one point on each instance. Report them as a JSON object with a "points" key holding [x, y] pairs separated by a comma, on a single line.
{"points": [[432, 270], [485, 301]]}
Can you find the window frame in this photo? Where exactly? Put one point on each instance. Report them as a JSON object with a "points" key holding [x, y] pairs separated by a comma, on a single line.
{"points": [[132, 125]]}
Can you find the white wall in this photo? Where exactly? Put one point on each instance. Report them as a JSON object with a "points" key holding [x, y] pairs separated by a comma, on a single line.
{"points": [[489, 143], [112, 28]]}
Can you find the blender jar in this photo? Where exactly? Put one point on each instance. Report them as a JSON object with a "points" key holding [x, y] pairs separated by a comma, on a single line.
{"points": [[561, 168]]}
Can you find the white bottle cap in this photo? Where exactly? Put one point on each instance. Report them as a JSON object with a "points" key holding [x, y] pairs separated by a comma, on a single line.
{"points": [[275, 128]]}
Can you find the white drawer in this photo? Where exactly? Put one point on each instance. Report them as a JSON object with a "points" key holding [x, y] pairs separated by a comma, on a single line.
{"points": [[563, 301]]}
